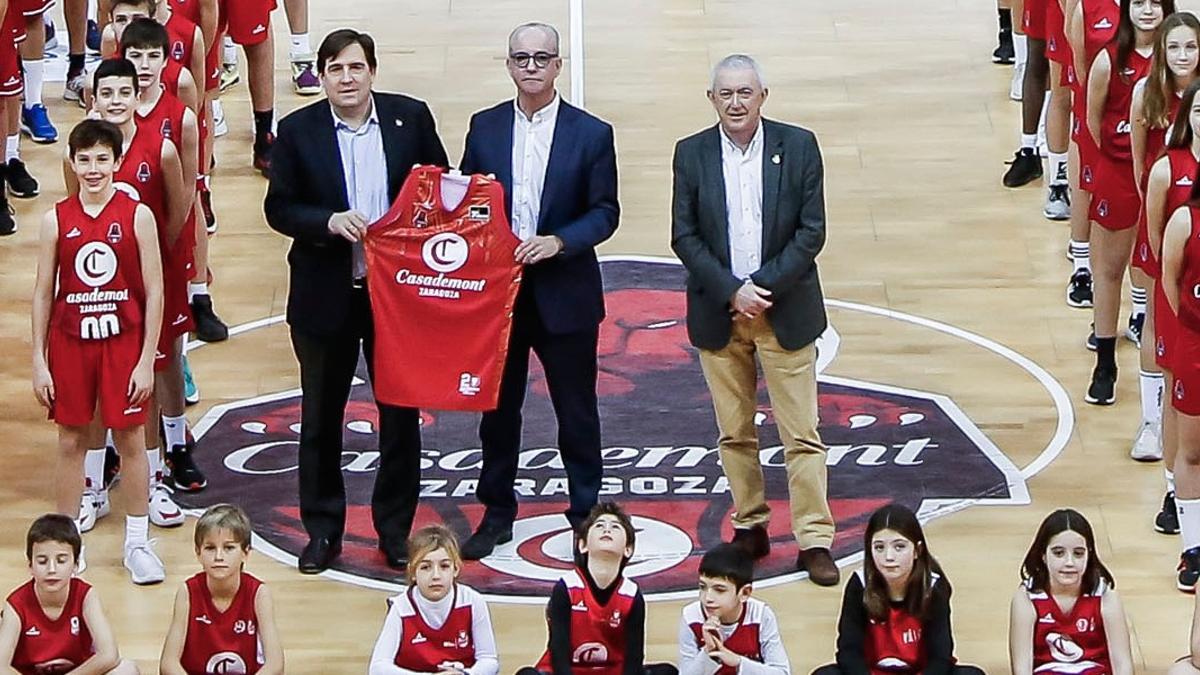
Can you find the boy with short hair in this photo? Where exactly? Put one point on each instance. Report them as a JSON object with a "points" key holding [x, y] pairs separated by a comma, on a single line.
{"points": [[97, 311], [726, 631], [53, 623], [596, 616], [224, 618]]}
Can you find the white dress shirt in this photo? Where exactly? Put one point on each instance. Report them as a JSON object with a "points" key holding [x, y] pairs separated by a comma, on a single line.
{"points": [[743, 202], [532, 138], [365, 168]]}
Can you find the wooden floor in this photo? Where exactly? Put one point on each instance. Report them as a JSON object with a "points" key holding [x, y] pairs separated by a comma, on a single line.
{"points": [[914, 122]]}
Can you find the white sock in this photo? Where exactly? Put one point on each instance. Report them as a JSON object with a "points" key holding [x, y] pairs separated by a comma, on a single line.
{"points": [[93, 469], [228, 52], [1138, 297], [1152, 391], [1041, 131], [1189, 521], [108, 439], [35, 75], [1058, 168], [1170, 476], [175, 430], [300, 46], [12, 147], [1029, 141], [1081, 254], [1020, 47], [155, 461], [195, 289], [137, 529]]}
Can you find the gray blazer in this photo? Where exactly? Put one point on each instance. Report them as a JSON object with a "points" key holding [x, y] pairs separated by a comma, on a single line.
{"points": [[793, 211]]}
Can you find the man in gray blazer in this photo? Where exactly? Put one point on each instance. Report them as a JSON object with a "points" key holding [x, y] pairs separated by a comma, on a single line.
{"points": [[748, 220]]}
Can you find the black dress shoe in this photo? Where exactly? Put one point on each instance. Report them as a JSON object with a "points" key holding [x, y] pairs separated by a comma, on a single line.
{"points": [[319, 554], [486, 539], [753, 540], [397, 556]]}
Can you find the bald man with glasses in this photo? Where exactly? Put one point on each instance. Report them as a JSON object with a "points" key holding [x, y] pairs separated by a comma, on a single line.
{"points": [[558, 166]]}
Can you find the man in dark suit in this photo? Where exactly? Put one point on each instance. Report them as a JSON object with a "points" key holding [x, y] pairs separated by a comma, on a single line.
{"points": [[559, 170], [336, 166], [748, 220]]}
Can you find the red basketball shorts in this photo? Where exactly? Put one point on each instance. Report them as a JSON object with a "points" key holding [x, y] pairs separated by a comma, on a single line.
{"points": [[1166, 325], [1143, 258], [1115, 200], [34, 7], [1034, 19], [89, 371], [1185, 395], [248, 22]]}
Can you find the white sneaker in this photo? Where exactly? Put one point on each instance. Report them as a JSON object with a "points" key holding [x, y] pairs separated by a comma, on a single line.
{"points": [[144, 565], [1018, 82], [1147, 447], [87, 512], [73, 90], [164, 512], [220, 126], [81, 561]]}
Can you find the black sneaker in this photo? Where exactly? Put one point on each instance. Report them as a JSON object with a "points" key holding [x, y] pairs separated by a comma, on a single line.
{"points": [[1167, 520], [1134, 332], [1189, 570], [1025, 168], [8, 223], [185, 475], [210, 218], [112, 466], [209, 326], [1102, 390], [1079, 294], [1004, 53], [20, 183]]}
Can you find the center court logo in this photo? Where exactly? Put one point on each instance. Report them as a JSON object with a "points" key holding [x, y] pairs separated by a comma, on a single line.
{"points": [[445, 252], [95, 264], [885, 444]]}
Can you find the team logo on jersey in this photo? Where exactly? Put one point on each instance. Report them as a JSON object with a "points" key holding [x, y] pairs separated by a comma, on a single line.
{"points": [[177, 50], [225, 663], [74, 233], [1184, 181], [481, 212], [33, 632], [96, 264], [1102, 208], [114, 233], [167, 129], [885, 444], [1102, 24], [419, 638], [1179, 390], [445, 252], [590, 652], [143, 172], [74, 625], [1087, 174], [1064, 650]]}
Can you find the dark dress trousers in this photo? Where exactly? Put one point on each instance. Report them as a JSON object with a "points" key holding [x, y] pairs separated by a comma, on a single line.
{"points": [[560, 305], [330, 315]]}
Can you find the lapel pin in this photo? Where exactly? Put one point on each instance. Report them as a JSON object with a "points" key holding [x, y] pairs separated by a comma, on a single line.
{"points": [[399, 123], [775, 159]]}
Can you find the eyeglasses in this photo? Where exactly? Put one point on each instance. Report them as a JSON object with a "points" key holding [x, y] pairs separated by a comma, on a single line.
{"points": [[540, 59]]}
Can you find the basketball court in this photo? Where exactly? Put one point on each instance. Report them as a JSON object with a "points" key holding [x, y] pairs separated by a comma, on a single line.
{"points": [[952, 380]]}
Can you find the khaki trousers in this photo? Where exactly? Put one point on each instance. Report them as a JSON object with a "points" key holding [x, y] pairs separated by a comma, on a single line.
{"points": [[792, 385]]}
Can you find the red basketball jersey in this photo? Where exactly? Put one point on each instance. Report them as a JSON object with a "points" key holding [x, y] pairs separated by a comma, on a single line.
{"points": [[745, 638], [165, 119], [426, 649], [43, 640], [1189, 277], [597, 631], [1114, 122], [442, 283], [1182, 166], [897, 644], [170, 77], [222, 642], [188, 8], [1100, 18], [100, 288], [1073, 644], [181, 32]]}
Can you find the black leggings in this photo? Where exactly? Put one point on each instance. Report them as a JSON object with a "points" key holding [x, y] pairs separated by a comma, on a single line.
{"points": [[649, 669], [958, 669]]}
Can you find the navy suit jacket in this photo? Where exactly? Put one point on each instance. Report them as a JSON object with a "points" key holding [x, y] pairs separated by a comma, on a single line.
{"points": [[579, 206], [308, 186]]}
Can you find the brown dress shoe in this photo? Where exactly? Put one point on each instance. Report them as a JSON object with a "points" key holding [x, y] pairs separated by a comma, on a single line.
{"points": [[753, 540], [819, 565]]}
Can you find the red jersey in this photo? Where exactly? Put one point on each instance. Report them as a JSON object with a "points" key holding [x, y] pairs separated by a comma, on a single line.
{"points": [[1100, 19], [443, 283], [745, 639], [141, 175], [221, 642], [164, 119], [181, 32], [100, 288], [1189, 277], [597, 631], [1073, 644], [426, 649], [1114, 122], [188, 8], [43, 639]]}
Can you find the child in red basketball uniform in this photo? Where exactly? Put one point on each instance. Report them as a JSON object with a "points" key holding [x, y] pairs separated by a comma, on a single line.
{"points": [[1181, 286], [1066, 616], [54, 623], [596, 616], [726, 631], [224, 618], [94, 336], [438, 625], [896, 609]]}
